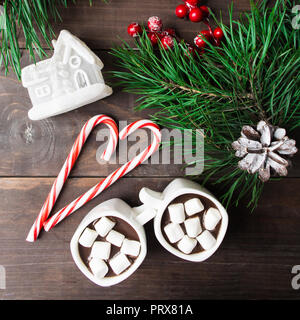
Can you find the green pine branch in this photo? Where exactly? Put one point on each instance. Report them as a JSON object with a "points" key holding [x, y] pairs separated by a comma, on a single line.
{"points": [[252, 76], [30, 17]]}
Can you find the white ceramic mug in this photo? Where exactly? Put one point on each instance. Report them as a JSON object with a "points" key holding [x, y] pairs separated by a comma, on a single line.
{"points": [[135, 217], [160, 201]]}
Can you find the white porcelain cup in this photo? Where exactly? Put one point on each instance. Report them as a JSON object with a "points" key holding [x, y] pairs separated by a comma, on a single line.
{"points": [[160, 201], [135, 217]]}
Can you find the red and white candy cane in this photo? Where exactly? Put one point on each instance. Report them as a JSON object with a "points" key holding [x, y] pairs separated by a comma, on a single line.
{"points": [[113, 177], [68, 165]]}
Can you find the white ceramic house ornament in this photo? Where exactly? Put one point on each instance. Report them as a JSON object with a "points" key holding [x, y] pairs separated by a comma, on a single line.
{"points": [[70, 79]]}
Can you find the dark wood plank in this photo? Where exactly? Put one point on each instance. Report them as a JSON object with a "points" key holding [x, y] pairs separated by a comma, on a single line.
{"points": [[102, 24], [254, 261]]}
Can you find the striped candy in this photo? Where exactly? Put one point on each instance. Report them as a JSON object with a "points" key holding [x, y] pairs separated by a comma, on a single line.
{"points": [[113, 177], [68, 165]]}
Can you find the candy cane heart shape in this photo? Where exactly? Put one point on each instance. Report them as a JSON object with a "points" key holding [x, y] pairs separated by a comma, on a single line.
{"points": [[68, 165], [114, 176]]}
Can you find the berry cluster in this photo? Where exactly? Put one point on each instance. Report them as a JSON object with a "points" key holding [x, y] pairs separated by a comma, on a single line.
{"points": [[167, 37], [212, 36], [190, 9], [197, 14], [155, 32]]}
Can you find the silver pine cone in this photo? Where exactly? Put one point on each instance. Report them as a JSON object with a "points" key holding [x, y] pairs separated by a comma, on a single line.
{"points": [[262, 150]]}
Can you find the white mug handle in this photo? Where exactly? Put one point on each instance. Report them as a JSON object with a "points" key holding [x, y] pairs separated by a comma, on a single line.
{"points": [[151, 202], [150, 198], [143, 214]]}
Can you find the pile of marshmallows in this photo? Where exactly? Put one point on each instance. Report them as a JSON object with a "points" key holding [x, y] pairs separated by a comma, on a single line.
{"points": [[194, 232], [100, 250]]}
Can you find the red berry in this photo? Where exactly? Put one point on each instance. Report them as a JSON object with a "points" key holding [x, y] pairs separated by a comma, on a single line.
{"points": [[170, 32], [205, 11], [192, 3], [218, 33], [134, 29], [161, 34], [153, 37], [167, 42], [181, 11], [196, 15], [154, 24], [199, 40], [207, 34]]}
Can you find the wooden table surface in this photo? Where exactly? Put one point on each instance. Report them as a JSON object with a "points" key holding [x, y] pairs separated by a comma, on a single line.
{"points": [[260, 248]]}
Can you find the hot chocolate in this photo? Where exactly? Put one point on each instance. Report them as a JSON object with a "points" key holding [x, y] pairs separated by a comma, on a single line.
{"points": [[109, 246], [191, 223]]}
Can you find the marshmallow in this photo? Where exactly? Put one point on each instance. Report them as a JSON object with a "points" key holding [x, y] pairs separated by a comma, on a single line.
{"points": [[176, 212], [101, 250], [193, 227], [131, 247], [119, 263], [116, 238], [98, 267], [206, 240], [88, 237], [193, 206], [174, 232], [187, 244], [211, 218], [103, 226]]}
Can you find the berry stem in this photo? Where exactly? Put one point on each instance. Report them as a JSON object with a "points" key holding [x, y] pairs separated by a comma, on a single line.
{"points": [[206, 21]]}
